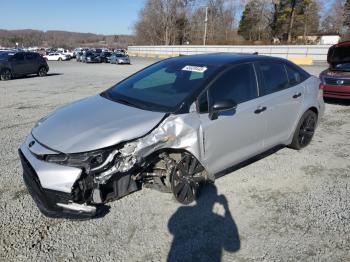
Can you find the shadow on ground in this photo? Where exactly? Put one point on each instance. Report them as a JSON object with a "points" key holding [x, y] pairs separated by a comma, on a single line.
{"points": [[200, 234], [32, 76]]}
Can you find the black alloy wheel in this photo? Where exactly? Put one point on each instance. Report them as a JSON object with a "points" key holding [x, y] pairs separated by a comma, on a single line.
{"points": [[185, 179], [42, 72], [6, 75], [307, 130]]}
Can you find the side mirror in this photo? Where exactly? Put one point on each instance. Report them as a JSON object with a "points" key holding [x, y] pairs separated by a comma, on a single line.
{"points": [[221, 106]]}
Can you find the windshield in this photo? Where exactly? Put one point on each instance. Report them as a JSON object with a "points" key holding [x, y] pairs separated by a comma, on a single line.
{"points": [[161, 87]]}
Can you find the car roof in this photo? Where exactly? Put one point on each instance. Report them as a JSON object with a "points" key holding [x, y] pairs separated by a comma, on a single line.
{"points": [[221, 59]]}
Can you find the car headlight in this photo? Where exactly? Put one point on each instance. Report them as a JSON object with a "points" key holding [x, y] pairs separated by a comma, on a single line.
{"points": [[90, 161]]}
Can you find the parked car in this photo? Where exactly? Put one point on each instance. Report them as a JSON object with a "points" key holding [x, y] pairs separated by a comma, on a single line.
{"points": [[56, 57], [68, 53], [336, 79], [14, 64], [119, 58], [90, 57], [105, 57], [172, 125], [78, 56], [120, 50]]}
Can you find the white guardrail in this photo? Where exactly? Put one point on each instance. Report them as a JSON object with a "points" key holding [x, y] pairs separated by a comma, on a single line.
{"points": [[314, 52]]}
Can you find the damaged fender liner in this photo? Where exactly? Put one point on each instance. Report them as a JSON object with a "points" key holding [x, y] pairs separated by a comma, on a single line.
{"points": [[47, 200]]}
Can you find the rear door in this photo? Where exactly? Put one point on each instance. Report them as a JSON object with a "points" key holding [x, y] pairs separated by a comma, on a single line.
{"points": [[282, 97], [237, 135], [31, 63]]}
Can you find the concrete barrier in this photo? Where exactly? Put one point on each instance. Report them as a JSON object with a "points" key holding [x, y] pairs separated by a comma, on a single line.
{"points": [[299, 54]]}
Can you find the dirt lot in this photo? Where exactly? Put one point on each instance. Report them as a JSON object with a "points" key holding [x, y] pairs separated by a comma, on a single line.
{"points": [[287, 206]]}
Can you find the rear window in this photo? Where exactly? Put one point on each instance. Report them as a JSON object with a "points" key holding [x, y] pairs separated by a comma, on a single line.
{"points": [[274, 77]]}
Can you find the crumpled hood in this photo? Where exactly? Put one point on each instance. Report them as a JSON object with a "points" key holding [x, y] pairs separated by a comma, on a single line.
{"points": [[93, 123]]}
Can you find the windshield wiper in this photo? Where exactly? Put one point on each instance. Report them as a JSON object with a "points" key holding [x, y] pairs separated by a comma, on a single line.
{"points": [[126, 102], [120, 100]]}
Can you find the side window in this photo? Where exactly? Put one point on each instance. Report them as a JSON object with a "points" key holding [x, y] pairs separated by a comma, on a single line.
{"points": [[274, 76], [238, 84], [203, 105], [30, 56], [294, 76], [18, 57]]}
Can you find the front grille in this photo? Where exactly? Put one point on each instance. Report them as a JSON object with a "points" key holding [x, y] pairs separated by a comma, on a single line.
{"points": [[337, 81]]}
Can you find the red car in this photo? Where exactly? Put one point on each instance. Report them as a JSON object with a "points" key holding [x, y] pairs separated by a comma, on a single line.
{"points": [[336, 79]]}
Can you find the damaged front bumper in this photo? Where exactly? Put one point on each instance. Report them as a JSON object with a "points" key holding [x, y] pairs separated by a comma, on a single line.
{"points": [[61, 191], [52, 203]]}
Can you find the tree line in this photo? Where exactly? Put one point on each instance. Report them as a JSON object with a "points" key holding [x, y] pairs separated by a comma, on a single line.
{"points": [[64, 39], [178, 22]]}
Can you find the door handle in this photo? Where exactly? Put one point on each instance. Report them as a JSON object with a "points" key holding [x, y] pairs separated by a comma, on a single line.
{"points": [[260, 109], [296, 95]]}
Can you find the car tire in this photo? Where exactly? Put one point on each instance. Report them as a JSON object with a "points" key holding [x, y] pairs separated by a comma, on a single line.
{"points": [[59, 59], [42, 71], [184, 184], [305, 130], [5, 75]]}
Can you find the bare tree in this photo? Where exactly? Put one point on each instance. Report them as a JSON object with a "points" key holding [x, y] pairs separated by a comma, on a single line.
{"points": [[333, 21]]}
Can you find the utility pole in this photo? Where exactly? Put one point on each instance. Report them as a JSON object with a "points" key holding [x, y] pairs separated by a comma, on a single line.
{"points": [[205, 25]]}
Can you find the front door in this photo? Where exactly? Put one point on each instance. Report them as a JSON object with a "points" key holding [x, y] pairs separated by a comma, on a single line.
{"points": [[18, 64], [237, 135]]}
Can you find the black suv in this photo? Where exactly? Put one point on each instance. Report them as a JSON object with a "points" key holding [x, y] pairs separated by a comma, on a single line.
{"points": [[13, 64]]}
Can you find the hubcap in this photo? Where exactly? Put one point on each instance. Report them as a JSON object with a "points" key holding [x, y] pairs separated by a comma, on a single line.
{"points": [[184, 182], [307, 130]]}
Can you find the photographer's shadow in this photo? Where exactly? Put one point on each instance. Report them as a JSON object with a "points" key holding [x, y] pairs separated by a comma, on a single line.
{"points": [[199, 233]]}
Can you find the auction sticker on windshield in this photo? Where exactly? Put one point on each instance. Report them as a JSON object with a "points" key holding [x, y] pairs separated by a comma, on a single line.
{"points": [[198, 69]]}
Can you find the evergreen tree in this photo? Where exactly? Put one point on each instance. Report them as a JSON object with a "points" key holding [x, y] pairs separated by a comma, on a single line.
{"points": [[295, 17], [247, 21], [255, 20]]}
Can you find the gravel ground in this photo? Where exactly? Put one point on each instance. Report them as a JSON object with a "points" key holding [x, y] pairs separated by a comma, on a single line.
{"points": [[286, 206]]}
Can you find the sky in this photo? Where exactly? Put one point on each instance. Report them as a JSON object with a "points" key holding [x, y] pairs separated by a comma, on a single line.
{"points": [[101, 17]]}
